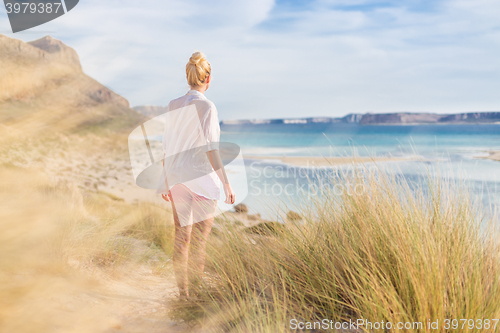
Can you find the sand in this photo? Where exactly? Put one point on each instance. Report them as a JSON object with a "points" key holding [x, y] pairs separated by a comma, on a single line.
{"points": [[135, 298], [494, 155], [310, 161]]}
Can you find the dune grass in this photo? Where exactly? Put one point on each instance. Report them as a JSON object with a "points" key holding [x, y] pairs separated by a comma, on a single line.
{"points": [[53, 236], [393, 252]]}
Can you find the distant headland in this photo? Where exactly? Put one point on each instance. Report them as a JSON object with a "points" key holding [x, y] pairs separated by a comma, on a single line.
{"points": [[400, 118]]}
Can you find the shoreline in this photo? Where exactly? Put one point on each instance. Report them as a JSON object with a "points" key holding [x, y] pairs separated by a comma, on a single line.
{"points": [[319, 161], [494, 155]]}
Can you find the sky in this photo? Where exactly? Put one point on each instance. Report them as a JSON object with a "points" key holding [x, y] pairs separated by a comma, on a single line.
{"points": [[288, 59]]}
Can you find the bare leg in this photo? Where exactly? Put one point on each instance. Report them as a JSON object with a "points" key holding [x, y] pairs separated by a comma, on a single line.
{"points": [[197, 252], [180, 256]]}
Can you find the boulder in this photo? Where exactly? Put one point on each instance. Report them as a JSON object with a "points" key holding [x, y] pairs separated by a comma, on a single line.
{"points": [[241, 208], [266, 228], [293, 216]]}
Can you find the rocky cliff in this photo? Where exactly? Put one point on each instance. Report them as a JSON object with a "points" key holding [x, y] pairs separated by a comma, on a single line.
{"points": [[57, 51], [430, 118], [399, 118], [43, 88], [471, 117]]}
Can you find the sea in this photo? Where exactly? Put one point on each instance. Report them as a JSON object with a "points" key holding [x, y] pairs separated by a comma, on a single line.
{"points": [[271, 188]]}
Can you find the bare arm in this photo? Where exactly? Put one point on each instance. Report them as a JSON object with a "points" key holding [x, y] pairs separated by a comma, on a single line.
{"points": [[166, 197], [216, 161]]}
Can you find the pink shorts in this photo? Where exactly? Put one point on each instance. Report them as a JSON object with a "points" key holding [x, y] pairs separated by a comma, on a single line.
{"points": [[190, 207]]}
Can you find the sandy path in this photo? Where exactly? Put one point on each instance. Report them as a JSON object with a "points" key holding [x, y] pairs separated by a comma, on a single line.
{"points": [[133, 297], [139, 301]]}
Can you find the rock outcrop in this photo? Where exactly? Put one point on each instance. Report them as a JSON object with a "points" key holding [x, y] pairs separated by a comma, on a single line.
{"points": [[471, 117], [57, 51], [400, 118], [42, 86]]}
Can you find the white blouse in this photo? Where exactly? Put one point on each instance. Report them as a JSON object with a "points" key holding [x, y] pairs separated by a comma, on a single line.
{"points": [[191, 129]]}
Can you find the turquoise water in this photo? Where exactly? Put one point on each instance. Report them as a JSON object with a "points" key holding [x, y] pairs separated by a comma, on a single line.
{"points": [[451, 149], [319, 138]]}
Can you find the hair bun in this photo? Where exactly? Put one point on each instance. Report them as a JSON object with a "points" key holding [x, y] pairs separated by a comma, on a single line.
{"points": [[197, 69], [196, 57]]}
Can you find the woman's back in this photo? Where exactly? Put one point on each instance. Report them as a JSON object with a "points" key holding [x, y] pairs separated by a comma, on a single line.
{"points": [[191, 121], [191, 129]]}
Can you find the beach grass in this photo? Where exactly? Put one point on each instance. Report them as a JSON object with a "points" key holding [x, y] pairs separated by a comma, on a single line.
{"points": [[393, 252], [60, 243]]}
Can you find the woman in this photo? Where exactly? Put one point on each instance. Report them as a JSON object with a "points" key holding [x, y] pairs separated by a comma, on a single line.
{"points": [[192, 170]]}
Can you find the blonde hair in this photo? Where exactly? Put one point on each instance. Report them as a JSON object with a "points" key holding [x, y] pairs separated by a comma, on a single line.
{"points": [[197, 69]]}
